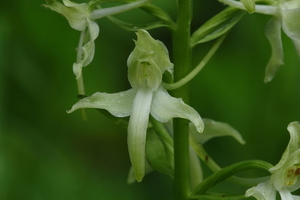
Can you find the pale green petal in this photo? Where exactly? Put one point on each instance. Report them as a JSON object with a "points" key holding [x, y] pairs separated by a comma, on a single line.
{"points": [[286, 195], [286, 177], [118, 104], [296, 197], [88, 55], [290, 14], [273, 33], [263, 191], [293, 146], [137, 129], [249, 5], [215, 129], [147, 62], [285, 173], [165, 107], [88, 49], [93, 29], [75, 13]]}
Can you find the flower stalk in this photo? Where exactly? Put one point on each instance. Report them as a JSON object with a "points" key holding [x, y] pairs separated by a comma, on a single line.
{"points": [[182, 62]]}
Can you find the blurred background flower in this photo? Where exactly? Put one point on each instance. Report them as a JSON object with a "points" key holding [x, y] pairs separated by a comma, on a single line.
{"points": [[47, 154]]}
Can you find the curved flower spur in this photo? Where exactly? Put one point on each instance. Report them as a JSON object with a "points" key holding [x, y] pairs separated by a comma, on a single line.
{"points": [[146, 65]]}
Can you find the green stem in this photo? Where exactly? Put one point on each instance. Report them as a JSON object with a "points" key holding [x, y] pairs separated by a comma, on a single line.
{"points": [[227, 172], [80, 84], [198, 68], [182, 62]]}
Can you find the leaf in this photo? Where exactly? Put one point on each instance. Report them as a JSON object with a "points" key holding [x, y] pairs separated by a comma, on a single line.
{"points": [[217, 25]]}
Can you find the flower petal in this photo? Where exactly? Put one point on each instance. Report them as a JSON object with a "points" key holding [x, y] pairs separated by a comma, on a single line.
{"points": [[118, 104], [75, 13], [290, 13], [286, 195], [286, 172], [147, 62], [263, 191], [215, 129], [165, 107], [294, 145], [88, 55], [273, 33], [88, 49], [137, 129]]}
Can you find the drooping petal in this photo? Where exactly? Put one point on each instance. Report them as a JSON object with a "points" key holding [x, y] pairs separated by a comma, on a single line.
{"points": [[88, 55], [165, 107], [93, 29], [88, 49], [137, 130], [75, 13], [215, 129], [263, 191], [118, 104], [286, 195], [290, 14], [273, 33]]}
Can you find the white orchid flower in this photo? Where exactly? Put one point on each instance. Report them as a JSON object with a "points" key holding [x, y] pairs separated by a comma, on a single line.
{"points": [[82, 18], [286, 14], [284, 178], [146, 65]]}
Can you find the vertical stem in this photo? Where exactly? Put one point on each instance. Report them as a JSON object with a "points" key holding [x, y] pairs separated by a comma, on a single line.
{"points": [[182, 62], [80, 84]]}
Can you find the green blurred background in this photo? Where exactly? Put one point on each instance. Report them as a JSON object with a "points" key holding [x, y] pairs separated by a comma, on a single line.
{"points": [[48, 154]]}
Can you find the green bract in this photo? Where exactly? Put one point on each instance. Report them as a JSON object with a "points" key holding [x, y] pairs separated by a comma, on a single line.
{"points": [[146, 65], [284, 178], [286, 16]]}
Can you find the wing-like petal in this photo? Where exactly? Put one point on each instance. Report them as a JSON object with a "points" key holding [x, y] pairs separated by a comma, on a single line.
{"points": [[294, 145], [75, 13], [290, 14], [273, 33], [118, 104], [263, 191], [165, 107], [137, 129]]}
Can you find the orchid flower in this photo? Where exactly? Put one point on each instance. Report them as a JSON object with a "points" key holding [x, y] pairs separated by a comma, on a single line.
{"points": [[146, 65], [81, 17], [286, 15], [284, 175]]}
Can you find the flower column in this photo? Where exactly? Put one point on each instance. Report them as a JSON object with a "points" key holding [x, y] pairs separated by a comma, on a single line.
{"points": [[182, 62]]}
